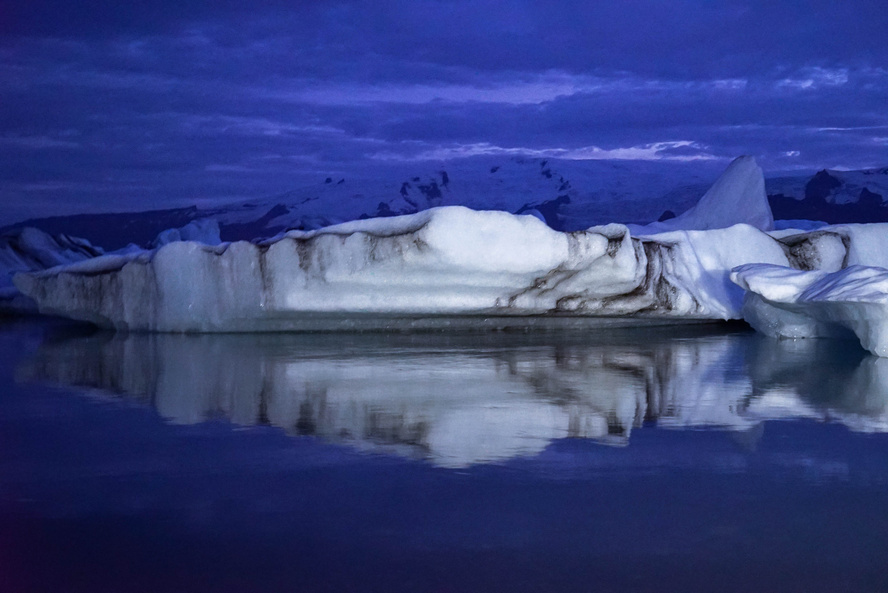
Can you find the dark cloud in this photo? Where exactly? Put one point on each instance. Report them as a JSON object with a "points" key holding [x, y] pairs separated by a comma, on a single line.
{"points": [[159, 102]]}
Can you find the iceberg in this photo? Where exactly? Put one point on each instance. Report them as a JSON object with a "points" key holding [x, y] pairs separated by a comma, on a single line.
{"points": [[203, 230], [738, 196], [786, 303], [444, 262], [453, 267], [29, 249]]}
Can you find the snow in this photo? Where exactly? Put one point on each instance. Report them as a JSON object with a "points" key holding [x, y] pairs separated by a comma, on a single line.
{"points": [[789, 303], [868, 243], [29, 249]]}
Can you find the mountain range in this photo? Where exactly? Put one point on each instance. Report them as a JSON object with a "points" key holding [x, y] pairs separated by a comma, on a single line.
{"points": [[567, 195]]}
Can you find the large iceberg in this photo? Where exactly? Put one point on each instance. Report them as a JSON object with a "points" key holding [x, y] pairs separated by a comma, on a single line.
{"points": [[448, 261], [456, 267]]}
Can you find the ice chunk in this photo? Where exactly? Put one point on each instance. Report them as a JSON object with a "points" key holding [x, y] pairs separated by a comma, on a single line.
{"points": [[205, 230], [738, 196], [867, 243], [794, 304], [29, 249]]}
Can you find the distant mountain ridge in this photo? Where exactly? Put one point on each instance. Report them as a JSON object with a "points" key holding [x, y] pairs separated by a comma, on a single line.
{"points": [[567, 195], [832, 196]]}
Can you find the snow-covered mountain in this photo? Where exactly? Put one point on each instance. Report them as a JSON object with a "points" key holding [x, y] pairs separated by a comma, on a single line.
{"points": [[831, 196], [568, 195]]}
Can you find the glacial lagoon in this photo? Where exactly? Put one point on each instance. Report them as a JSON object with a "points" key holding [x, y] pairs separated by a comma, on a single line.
{"points": [[690, 458]]}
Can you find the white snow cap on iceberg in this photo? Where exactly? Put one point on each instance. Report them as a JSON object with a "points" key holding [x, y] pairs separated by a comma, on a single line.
{"points": [[738, 196]]}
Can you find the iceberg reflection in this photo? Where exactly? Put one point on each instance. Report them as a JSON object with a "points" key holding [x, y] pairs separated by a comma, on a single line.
{"points": [[458, 400]]}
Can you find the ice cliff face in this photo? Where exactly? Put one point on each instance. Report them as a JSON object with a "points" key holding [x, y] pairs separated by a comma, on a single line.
{"points": [[447, 261]]}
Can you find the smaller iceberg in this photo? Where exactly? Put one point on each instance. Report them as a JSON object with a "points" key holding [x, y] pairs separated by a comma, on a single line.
{"points": [[30, 250], [738, 196], [204, 230], [786, 303]]}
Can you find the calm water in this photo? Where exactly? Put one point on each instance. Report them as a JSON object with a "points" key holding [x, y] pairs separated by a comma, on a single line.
{"points": [[690, 459]]}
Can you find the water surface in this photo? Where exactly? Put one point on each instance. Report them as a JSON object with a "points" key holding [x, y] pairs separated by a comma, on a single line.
{"points": [[671, 459]]}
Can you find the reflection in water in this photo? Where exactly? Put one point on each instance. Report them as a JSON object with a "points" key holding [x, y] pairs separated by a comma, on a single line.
{"points": [[463, 399], [822, 379]]}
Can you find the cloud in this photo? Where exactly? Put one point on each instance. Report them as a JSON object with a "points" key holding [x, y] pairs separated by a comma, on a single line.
{"points": [[172, 100], [680, 150], [37, 142]]}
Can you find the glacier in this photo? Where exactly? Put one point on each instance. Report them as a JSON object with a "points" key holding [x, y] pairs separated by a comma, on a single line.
{"points": [[453, 267]]}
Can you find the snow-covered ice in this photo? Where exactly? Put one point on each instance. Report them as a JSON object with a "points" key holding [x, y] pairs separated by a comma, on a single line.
{"points": [[445, 261], [204, 230], [787, 303]]}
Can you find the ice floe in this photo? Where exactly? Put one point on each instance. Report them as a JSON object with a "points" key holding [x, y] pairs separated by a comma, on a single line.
{"points": [[786, 303], [28, 250]]}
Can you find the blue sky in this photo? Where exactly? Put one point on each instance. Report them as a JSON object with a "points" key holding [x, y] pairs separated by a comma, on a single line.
{"points": [[111, 105]]}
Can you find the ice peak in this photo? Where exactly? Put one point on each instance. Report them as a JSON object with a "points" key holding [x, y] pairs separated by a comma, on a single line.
{"points": [[738, 196]]}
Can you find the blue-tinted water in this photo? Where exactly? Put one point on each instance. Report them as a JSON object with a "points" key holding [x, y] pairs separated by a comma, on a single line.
{"points": [[693, 459]]}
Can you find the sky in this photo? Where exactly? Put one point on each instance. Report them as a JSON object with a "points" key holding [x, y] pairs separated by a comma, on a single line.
{"points": [[110, 105]]}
